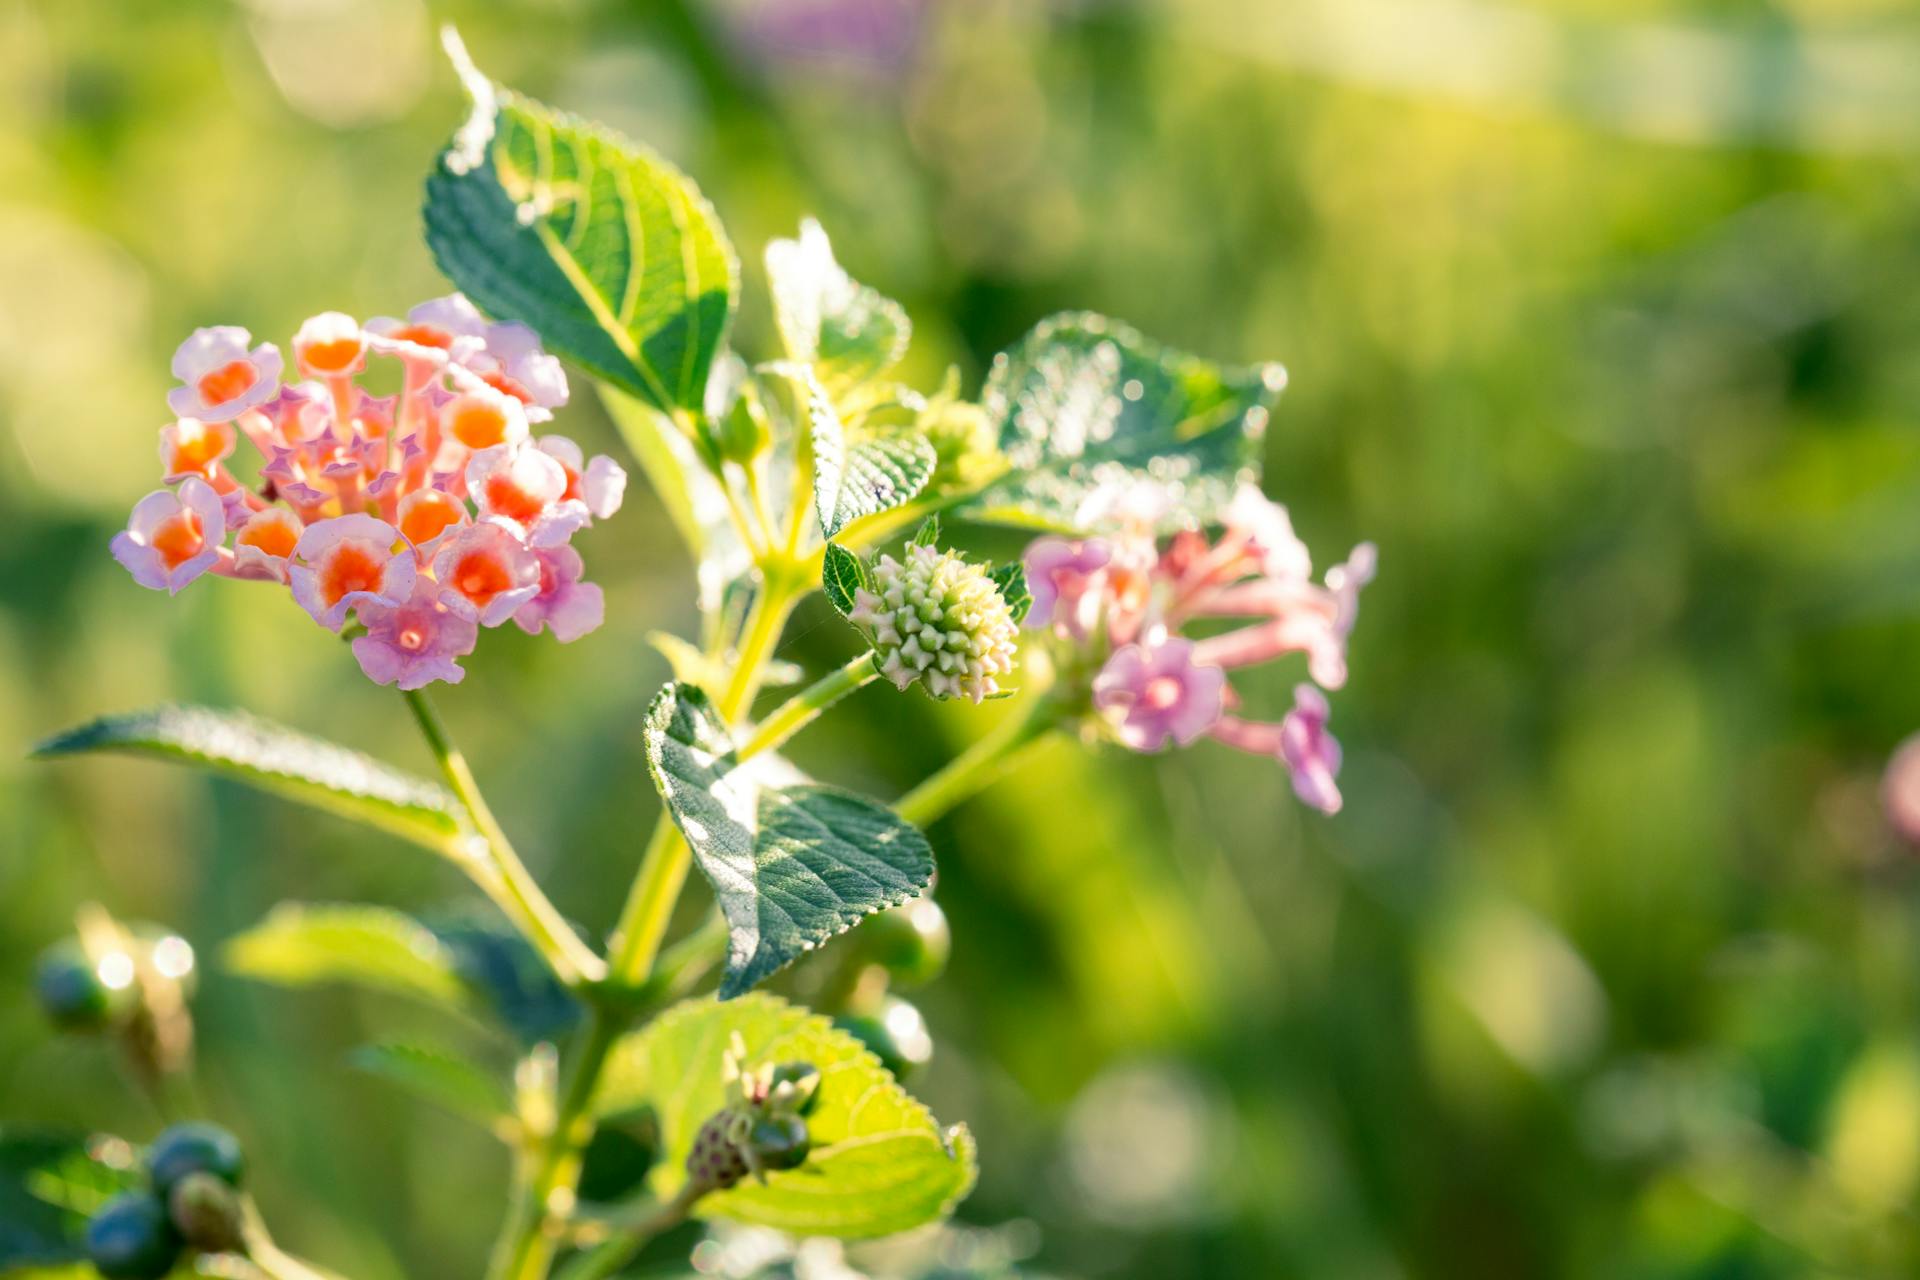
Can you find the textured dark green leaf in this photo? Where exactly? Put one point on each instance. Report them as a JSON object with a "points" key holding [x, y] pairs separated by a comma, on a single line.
{"points": [[850, 334], [1083, 402], [1012, 581], [509, 977], [437, 1075], [607, 250], [841, 574], [50, 1183], [852, 479], [792, 864], [304, 945], [277, 759], [880, 1162]]}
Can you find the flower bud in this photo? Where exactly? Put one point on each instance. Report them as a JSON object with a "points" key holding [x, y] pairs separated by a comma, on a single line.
{"points": [[795, 1088], [716, 1160], [937, 619]]}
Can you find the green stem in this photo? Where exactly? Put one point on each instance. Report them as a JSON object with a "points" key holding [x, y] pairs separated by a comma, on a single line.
{"points": [[797, 712], [981, 764], [529, 1243], [765, 621], [643, 921], [508, 881], [610, 1256]]}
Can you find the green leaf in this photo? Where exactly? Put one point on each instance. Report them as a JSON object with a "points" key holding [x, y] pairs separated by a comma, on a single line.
{"points": [[50, 1183], [880, 1162], [277, 759], [607, 250], [439, 1076], [863, 478], [928, 534], [848, 332], [841, 574], [1012, 581], [792, 865], [300, 945], [509, 977], [1082, 403]]}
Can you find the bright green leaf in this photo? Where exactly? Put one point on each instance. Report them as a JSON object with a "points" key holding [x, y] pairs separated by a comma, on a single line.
{"points": [[859, 478], [437, 1075], [928, 534], [301, 945], [880, 1162], [1083, 403], [604, 248], [276, 759], [1012, 581], [792, 865], [841, 574], [848, 332]]}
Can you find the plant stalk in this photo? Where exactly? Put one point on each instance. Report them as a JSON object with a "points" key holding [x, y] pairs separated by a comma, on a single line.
{"points": [[803, 708], [982, 764], [508, 881]]}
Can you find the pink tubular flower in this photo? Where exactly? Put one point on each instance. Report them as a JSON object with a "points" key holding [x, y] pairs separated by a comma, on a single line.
{"points": [[426, 514], [265, 543], [349, 562], [414, 642], [1300, 618], [1065, 579], [190, 447], [515, 362], [1155, 691], [1262, 529], [486, 571], [565, 605], [451, 325], [172, 538], [601, 484], [223, 379], [1900, 791], [1311, 753], [527, 486]]}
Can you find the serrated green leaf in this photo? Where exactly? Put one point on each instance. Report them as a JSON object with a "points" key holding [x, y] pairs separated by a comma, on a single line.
{"points": [[1084, 403], [277, 759], [437, 1075], [841, 574], [850, 333], [880, 1163], [1012, 581], [852, 479], [303, 945], [928, 534], [604, 248], [792, 864], [50, 1183]]}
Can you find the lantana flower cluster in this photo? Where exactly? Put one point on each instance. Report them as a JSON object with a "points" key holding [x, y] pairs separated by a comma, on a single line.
{"points": [[420, 516], [1124, 600], [936, 618]]}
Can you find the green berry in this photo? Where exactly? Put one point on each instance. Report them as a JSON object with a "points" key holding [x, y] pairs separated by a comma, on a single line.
{"points": [[780, 1141], [911, 940], [897, 1035], [131, 1238], [68, 987], [206, 1212], [194, 1148]]}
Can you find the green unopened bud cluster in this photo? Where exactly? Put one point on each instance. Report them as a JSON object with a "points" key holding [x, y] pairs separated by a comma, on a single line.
{"points": [[192, 1204], [763, 1127], [937, 619]]}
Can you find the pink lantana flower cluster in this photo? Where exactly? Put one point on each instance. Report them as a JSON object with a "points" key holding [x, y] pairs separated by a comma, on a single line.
{"points": [[1122, 602], [421, 516]]}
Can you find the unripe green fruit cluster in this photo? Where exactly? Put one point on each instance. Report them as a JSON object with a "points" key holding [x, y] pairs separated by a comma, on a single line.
{"points": [[895, 1032], [194, 1173], [87, 994], [758, 1137]]}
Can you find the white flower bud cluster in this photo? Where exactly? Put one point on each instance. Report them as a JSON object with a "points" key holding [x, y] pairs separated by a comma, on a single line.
{"points": [[938, 619]]}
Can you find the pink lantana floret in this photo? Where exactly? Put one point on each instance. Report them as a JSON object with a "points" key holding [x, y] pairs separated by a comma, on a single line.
{"points": [[487, 571], [344, 563], [264, 544], [190, 447], [1065, 579], [330, 345], [172, 537], [527, 486], [1154, 692], [416, 641], [1312, 755], [223, 379], [515, 362], [601, 483], [1264, 531], [565, 605]]}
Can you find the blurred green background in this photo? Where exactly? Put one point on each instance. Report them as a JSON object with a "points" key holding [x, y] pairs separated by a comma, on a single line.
{"points": [[1601, 321]]}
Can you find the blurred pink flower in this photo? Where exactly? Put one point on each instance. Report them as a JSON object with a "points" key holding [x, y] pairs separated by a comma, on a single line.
{"points": [[1154, 692], [1065, 579], [1900, 790], [1311, 753], [565, 605]]}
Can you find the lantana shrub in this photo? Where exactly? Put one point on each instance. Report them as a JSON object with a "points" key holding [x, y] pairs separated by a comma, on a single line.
{"points": [[413, 522]]}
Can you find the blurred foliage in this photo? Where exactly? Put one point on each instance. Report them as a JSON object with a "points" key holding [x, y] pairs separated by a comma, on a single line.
{"points": [[1607, 969]]}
